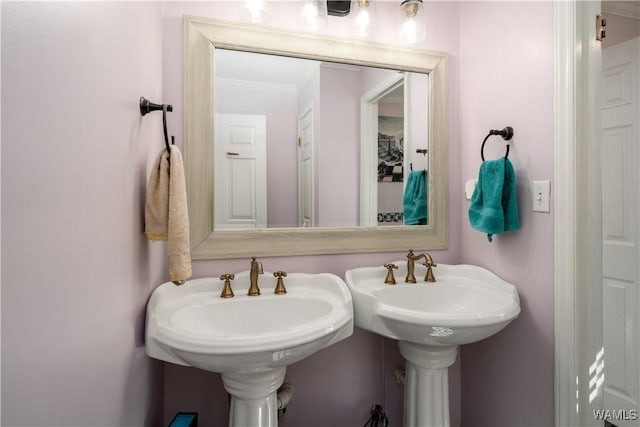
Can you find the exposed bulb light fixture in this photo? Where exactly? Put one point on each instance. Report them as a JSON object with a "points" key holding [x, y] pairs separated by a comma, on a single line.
{"points": [[412, 27], [364, 17], [312, 15], [255, 10]]}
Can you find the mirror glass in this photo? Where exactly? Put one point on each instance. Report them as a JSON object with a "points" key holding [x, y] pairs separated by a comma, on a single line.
{"points": [[288, 143], [383, 113]]}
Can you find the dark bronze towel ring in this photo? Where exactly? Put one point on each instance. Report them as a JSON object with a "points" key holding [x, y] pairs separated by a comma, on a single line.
{"points": [[147, 106], [506, 134]]}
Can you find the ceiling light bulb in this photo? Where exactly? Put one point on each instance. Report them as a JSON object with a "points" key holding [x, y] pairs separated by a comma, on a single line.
{"points": [[411, 9], [310, 12], [363, 22], [409, 30], [412, 25], [255, 10], [364, 17], [313, 14]]}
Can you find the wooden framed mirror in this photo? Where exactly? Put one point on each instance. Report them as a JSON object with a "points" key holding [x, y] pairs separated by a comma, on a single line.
{"points": [[202, 38]]}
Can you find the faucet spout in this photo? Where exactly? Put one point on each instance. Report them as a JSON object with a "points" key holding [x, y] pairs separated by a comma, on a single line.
{"points": [[410, 278], [256, 269], [411, 259]]}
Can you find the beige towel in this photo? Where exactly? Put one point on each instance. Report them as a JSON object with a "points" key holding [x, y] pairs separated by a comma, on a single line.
{"points": [[166, 214]]}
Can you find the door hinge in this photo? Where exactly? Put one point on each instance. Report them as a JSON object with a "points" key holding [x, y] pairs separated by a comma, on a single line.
{"points": [[600, 24], [299, 142]]}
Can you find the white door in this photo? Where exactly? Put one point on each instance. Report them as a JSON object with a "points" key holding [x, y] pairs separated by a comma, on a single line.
{"points": [[305, 169], [240, 174], [621, 232]]}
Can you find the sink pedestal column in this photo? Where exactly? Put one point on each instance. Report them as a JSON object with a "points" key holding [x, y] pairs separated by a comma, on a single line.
{"points": [[426, 394], [253, 398]]}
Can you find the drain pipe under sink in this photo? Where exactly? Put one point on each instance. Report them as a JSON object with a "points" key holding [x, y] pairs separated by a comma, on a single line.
{"points": [[401, 375], [284, 394]]}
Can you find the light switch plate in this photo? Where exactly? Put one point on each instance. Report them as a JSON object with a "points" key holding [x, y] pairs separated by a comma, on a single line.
{"points": [[541, 195]]}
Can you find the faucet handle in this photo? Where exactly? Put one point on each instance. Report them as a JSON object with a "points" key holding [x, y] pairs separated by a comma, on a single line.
{"points": [[280, 289], [227, 292], [429, 276], [390, 280]]}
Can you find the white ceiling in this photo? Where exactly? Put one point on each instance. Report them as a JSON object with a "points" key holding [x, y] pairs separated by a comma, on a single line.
{"points": [[249, 66]]}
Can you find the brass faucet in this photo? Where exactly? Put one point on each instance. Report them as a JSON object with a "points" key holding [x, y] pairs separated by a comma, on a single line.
{"points": [[256, 268], [411, 259]]}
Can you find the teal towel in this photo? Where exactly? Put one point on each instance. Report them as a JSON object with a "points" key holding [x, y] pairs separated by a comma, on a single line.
{"points": [[494, 206], [415, 198]]}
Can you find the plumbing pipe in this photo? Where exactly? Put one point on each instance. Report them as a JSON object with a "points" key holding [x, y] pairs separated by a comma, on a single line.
{"points": [[284, 395], [400, 374]]}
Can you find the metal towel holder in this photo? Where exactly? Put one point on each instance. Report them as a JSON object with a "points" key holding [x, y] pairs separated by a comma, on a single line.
{"points": [[506, 134], [146, 107]]}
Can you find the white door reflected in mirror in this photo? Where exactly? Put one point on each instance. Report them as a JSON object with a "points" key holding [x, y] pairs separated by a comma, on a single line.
{"points": [[241, 171]]}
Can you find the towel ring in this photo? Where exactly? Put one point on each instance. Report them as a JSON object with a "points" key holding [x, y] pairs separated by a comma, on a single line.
{"points": [[506, 134], [146, 107]]}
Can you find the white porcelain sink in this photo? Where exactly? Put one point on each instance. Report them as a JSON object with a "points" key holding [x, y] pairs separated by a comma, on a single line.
{"points": [[250, 340], [465, 304]]}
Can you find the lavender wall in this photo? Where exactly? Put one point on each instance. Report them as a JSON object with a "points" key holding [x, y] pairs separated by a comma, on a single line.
{"points": [[76, 263], [508, 77], [338, 148], [77, 270], [338, 385]]}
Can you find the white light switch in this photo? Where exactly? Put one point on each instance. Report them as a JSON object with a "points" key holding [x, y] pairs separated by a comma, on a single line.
{"points": [[541, 194]]}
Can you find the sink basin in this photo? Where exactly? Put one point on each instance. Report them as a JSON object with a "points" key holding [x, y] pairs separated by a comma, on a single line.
{"points": [[250, 340], [464, 305], [430, 320]]}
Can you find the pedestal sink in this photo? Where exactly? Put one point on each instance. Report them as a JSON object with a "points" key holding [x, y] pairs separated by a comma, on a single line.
{"points": [[430, 320], [250, 340]]}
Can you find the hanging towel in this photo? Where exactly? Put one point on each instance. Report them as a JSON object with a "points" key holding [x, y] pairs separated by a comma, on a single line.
{"points": [[415, 198], [494, 206], [166, 214]]}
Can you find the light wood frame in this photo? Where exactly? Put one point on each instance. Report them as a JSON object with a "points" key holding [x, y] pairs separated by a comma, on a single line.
{"points": [[201, 37]]}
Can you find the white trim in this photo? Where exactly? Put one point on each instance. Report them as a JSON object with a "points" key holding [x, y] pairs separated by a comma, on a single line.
{"points": [[578, 213], [566, 366], [342, 67], [368, 150]]}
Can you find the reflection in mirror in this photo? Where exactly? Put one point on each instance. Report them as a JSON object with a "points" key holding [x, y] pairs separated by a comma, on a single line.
{"points": [[395, 115], [288, 141], [320, 226], [391, 170]]}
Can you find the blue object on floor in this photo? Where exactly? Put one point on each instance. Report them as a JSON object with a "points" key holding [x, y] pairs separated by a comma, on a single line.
{"points": [[185, 419]]}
